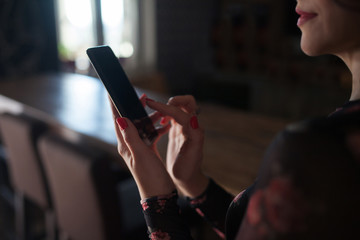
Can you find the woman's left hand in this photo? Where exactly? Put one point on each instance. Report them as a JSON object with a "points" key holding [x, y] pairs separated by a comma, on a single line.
{"points": [[142, 160]]}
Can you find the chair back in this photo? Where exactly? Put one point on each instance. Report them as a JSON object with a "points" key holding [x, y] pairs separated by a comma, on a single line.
{"points": [[19, 135], [83, 189]]}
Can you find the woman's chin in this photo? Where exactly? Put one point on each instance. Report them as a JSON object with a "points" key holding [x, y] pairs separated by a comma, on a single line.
{"points": [[311, 53], [311, 50]]}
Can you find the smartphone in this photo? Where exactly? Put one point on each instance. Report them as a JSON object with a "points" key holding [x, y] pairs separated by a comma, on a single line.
{"points": [[121, 91]]}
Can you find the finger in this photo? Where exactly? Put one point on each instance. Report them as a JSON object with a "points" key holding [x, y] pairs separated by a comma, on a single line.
{"points": [[185, 102], [142, 99], [163, 130], [197, 131], [155, 116], [169, 110], [121, 145]]}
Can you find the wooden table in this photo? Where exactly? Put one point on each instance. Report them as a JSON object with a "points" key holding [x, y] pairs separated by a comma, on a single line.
{"points": [[77, 106]]}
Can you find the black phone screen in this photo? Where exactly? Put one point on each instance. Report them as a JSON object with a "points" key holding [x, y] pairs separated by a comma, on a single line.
{"points": [[120, 90]]}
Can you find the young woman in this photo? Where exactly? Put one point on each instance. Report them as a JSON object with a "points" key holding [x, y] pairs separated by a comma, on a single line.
{"points": [[308, 186]]}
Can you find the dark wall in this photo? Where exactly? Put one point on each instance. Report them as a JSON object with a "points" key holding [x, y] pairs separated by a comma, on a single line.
{"points": [[245, 54], [183, 33], [27, 37]]}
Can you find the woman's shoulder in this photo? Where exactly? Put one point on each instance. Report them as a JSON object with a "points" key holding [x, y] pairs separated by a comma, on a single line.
{"points": [[318, 162]]}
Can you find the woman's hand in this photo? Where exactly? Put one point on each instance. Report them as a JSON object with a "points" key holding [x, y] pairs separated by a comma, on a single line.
{"points": [[185, 146], [142, 160]]}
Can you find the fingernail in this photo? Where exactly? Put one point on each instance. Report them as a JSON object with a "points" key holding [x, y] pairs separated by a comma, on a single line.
{"points": [[149, 100], [163, 121], [194, 122], [122, 123], [143, 95]]}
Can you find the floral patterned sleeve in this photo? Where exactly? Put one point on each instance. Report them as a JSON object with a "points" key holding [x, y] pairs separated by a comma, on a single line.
{"points": [[164, 221], [213, 205], [163, 218]]}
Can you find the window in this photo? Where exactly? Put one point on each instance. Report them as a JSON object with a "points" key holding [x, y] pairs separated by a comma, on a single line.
{"points": [[86, 23]]}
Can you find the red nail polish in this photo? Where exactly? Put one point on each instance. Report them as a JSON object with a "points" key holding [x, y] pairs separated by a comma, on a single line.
{"points": [[163, 121], [143, 95], [122, 123], [194, 122]]}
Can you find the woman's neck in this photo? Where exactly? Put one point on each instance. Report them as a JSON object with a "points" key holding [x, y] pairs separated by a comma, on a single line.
{"points": [[352, 60]]}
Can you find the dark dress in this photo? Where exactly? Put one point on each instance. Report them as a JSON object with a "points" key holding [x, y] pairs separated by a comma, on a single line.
{"points": [[307, 188]]}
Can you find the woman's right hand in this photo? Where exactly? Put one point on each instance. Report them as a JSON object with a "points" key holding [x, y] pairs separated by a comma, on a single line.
{"points": [[185, 146]]}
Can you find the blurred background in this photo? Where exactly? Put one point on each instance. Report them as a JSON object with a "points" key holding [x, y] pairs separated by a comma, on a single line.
{"points": [[240, 53], [242, 56]]}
